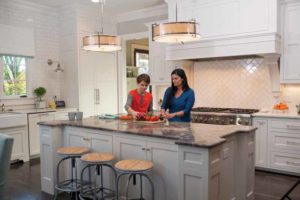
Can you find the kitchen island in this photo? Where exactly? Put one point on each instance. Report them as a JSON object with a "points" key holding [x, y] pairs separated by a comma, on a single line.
{"points": [[191, 161]]}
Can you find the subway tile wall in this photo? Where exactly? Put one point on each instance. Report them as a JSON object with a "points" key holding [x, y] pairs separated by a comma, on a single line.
{"points": [[44, 21]]}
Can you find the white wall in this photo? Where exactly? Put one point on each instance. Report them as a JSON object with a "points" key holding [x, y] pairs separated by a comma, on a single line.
{"points": [[44, 21]]}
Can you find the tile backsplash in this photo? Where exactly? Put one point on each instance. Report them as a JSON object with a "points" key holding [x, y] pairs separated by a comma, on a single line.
{"points": [[241, 83]]}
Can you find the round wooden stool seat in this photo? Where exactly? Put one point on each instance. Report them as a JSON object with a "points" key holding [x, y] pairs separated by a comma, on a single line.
{"points": [[72, 151], [134, 165], [97, 157]]}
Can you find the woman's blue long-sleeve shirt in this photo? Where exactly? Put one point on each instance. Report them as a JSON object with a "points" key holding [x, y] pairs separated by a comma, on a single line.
{"points": [[184, 103]]}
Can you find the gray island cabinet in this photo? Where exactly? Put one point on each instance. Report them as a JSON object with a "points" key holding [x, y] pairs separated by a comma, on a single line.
{"points": [[191, 161]]}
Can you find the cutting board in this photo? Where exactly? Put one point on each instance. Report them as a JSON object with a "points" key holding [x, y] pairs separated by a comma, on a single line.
{"points": [[149, 122]]}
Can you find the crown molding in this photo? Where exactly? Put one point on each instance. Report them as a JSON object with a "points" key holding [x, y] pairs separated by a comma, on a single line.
{"points": [[142, 13]]}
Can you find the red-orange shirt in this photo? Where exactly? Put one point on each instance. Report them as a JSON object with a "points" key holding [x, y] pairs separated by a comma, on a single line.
{"points": [[138, 102]]}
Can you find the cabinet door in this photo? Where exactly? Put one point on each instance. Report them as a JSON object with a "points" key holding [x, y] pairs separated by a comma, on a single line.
{"points": [[165, 172], [61, 115], [34, 136], [34, 131], [75, 137], [130, 148], [261, 142], [102, 143], [291, 59], [20, 145], [159, 69]]}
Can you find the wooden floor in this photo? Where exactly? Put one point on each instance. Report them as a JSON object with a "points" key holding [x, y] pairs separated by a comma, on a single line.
{"points": [[24, 184]]}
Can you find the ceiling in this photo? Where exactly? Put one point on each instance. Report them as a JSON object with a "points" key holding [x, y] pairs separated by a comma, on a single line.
{"points": [[118, 6]]}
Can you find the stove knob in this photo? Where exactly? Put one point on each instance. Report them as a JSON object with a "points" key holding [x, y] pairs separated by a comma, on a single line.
{"points": [[239, 122]]}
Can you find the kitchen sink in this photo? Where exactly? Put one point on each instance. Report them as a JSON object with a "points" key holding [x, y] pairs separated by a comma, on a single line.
{"points": [[12, 119]]}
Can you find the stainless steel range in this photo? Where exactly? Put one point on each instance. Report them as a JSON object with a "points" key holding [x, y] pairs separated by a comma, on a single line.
{"points": [[224, 116]]}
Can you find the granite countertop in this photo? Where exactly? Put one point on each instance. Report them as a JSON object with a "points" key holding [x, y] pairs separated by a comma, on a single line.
{"points": [[291, 115], [191, 134], [43, 110]]}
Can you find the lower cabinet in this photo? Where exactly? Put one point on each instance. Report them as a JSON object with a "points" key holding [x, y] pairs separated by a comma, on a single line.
{"points": [[34, 133], [20, 145], [278, 144], [33, 128], [261, 142], [165, 159]]}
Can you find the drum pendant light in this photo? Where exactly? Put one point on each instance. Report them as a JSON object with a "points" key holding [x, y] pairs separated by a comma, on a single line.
{"points": [[175, 32], [99, 41]]}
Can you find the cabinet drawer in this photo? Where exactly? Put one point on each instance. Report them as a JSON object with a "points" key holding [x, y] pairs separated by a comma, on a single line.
{"points": [[288, 125], [285, 141], [285, 161]]}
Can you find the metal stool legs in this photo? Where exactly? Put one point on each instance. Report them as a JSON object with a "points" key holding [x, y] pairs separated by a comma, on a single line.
{"points": [[133, 175], [90, 190], [68, 185]]}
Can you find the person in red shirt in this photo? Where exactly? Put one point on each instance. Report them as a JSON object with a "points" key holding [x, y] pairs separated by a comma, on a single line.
{"points": [[139, 101]]}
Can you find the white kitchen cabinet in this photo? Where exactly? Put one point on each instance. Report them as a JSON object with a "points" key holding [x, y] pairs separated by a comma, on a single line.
{"points": [[20, 146], [33, 130], [290, 62], [261, 142], [165, 159], [278, 144], [159, 69], [227, 28], [98, 78]]}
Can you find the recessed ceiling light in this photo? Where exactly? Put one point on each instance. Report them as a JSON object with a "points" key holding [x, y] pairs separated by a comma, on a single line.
{"points": [[97, 1]]}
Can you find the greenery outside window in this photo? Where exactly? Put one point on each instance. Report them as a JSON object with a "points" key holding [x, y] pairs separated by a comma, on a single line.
{"points": [[13, 77]]}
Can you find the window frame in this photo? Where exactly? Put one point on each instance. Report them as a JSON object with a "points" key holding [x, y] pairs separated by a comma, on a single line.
{"points": [[2, 94]]}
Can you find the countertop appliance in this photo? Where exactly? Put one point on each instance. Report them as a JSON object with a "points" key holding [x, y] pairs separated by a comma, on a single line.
{"points": [[60, 104], [222, 116]]}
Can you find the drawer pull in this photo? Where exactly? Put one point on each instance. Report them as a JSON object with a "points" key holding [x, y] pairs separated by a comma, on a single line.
{"points": [[292, 126], [86, 139], [293, 143], [261, 123], [292, 163]]}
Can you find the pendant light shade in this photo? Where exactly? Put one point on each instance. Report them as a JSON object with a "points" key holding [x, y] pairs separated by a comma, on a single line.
{"points": [[100, 42], [175, 32]]}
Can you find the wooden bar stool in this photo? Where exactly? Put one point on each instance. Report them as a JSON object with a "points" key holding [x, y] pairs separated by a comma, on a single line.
{"points": [[133, 167], [73, 184], [90, 190]]}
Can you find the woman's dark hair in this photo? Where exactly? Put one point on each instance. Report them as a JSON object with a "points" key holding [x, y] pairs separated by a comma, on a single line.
{"points": [[143, 77], [185, 85]]}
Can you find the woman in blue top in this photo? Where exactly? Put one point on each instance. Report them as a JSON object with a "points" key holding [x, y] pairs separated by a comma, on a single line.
{"points": [[178, 99]]}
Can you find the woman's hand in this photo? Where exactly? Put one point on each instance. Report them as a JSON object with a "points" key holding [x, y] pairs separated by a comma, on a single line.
{"points": [[170, 115]]}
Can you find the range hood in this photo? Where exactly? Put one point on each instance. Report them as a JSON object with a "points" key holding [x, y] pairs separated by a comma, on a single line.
{"points": [[261, 44]]}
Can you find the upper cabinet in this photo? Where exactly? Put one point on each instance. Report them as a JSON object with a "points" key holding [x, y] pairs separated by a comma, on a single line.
{"points": [[227, 28], [290, 62]]}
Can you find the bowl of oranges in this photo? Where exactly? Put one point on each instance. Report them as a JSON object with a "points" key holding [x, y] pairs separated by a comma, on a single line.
{"points": [[280, 107]]}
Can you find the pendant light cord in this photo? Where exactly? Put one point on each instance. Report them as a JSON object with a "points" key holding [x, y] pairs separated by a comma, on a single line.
{"points": [[102, 2], [176, 12]]}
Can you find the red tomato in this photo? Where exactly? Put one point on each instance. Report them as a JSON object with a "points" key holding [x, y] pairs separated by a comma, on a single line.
{"points": [[154, 118], [147, 118]]}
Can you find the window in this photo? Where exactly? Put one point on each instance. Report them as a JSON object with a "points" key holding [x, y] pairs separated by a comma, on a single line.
{"points": [[141, 60], [13, 76]]}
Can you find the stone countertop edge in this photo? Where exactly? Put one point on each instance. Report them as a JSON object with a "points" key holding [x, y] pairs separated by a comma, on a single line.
{"points": [[46, 110], [177, 140], [291, 115]]}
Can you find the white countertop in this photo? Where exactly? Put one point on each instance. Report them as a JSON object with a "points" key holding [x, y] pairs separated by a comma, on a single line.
{"points": [[291, 115], [33, 110]]}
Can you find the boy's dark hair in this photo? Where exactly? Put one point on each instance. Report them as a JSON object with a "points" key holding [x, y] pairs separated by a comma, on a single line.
{"points": [[143, 77]]}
